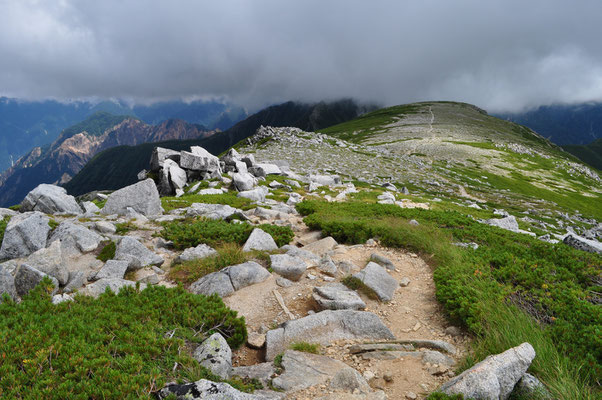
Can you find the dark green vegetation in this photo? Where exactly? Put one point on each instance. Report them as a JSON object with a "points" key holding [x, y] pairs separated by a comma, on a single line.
{"points": [[442, 396], [230, 198], [96, 124], [117, 167], [190, 271], [3, 224], [107, 252], [117, 346], [191, 233], [590, 153], [512, 289], [124, 227]]}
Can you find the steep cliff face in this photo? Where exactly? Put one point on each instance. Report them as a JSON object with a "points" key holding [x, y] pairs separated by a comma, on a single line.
{"points": [[70, 152]]}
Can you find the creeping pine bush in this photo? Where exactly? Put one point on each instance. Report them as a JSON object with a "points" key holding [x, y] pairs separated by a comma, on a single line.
{"points": [[553, 283], [107, 252], [191, 233], [118, 346]]}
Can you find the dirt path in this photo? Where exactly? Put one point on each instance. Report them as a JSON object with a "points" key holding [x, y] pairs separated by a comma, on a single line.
{"points": [[414, 313]]}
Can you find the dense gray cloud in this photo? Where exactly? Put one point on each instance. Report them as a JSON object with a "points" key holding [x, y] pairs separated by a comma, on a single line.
{"points": [[501, 54]]}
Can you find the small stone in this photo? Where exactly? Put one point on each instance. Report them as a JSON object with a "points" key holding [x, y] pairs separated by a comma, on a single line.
{"points": [[283, 282], [411, 395], [404, 282], [388, 377], [256, 340], [453, 331]]}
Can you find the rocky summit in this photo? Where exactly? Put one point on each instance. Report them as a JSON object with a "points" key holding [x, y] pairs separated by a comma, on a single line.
{"points": [[369, 261]]}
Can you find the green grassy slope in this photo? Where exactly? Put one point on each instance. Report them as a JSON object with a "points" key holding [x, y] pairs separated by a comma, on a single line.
{"points": [[590, 154]]}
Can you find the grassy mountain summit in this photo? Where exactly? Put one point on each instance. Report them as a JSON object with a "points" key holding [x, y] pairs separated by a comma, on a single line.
{"points": [[452, 151]]}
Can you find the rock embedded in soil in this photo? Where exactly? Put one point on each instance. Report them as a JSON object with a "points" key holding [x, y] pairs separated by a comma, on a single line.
{"points": [[376, 278], [215, 355], [260, 240]]}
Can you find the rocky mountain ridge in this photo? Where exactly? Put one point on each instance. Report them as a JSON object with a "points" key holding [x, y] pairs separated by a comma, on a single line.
{"points": [[65, 157]]}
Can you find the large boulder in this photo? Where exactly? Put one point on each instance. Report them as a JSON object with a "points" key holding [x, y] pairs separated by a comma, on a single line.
{"points": [[112, 269], [303, 370], [143, 197], [75, 239], [230, 279], [25, 234], [206, 390], [199, 159], [376, 278], [493, 378], [28, 278], [243, 181], [580, 243], [50, 199], [7, 285], [509, 223], [50, 261], [325, 327], [322, 246], [257, 195], [215, 355], [262, 170], [290, 267], [336, 296], [213, 211], [136, 254], [195, 253], [161, 154], [173, 178], [260, 240]]}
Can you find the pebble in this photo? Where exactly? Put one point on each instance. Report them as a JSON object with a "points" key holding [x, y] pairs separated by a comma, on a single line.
{"points": [[404, 282], [388, 377], [411, 395]]}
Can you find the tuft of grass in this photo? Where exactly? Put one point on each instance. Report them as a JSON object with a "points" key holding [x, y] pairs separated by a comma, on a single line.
{"points": [[229, 198], [356, 284], [124, 227], [52, 223], [99, 203], [3, 223], [278, 361], [15, 207], [443, 396], [108, 252], [313, 348], [121, 345], [190, 271]]}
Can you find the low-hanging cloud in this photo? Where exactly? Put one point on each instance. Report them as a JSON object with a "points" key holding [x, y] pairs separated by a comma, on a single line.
{"points": [[503, 55]]}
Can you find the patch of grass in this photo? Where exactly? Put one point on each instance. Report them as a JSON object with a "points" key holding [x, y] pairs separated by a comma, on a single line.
{"points": [[188, 272], [116, 346], [443, 396], [357, 284], [171, 203], [313, 348], [190, 233], [52, 223], [124, 227], [108, 252], [550, 288], [278, 361], [3, 224], [478, 145], [16, 207], [99, 203]]}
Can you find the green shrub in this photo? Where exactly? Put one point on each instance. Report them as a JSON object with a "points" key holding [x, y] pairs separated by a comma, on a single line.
{"points": [[3, 224], [554, 284], [108, 252], [16, 207], [305, 347], [99, 203], [122, 345], [52, 223], [124, 227], [191, 233], [443, 396]]}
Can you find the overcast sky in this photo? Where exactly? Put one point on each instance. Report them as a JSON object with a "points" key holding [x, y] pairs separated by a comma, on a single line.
{"points": [[501, 55]]}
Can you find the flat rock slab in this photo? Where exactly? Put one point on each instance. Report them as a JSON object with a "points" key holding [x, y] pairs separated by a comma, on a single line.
{"points": [[213, 211], [289, 267], [303, 370], [112, 269], [382, 261], [257, 195], [337, 296], [260, 240], [136, 254], [230, 279], [580, 243], [494, 377], [325, 327], [50, 199], [321, 246], [24, 234], [376, 278], [142, 197], [262, 372], [310, 258], [75, 239]]}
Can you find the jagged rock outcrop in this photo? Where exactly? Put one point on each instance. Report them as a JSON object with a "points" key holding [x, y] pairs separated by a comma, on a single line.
{"points": [[24, 235]]}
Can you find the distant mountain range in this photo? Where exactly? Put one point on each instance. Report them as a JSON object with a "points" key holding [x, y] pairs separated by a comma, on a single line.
{"points": [[117, 167], [28, 124], [563, 124], [76, 145]]}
